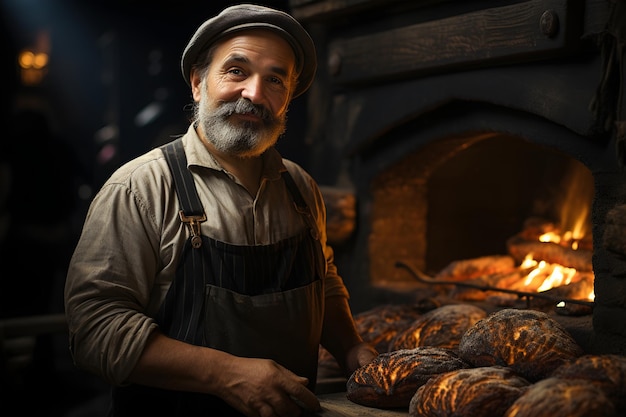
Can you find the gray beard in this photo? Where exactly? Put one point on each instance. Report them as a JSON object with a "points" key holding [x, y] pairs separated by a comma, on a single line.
{"points": [[242, 139]]}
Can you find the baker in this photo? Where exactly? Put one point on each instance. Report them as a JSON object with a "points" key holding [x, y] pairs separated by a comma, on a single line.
{"points": [[202, 282]]}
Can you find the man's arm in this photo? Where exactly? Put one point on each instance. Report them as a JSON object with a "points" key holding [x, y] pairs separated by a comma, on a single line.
{"points": [[247, 384], [341, 338]]}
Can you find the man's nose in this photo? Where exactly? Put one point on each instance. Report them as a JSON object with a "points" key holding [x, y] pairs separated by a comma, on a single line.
{"points": [[253, 89]]}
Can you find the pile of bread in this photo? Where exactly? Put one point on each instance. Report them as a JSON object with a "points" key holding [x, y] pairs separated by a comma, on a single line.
{"points": [[458, 360]]}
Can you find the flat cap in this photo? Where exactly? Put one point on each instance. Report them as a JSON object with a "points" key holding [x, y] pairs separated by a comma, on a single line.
{"points": [[249, 16]]}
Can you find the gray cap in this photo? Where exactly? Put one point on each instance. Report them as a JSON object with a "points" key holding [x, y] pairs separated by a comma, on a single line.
{"points": [[250, 16]]}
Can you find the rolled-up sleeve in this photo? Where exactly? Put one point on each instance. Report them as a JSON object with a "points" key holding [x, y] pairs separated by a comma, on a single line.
{"points": [[109, 282]]}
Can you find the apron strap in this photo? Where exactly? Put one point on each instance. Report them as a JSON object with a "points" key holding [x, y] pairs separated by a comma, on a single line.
{"points": [[300, 204], [192, 212]]}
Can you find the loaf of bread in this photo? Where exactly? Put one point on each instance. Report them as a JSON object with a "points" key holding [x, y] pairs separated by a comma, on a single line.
{"points": [[530, 342], [381, 324], [441, 327], [466, 269], [392, 378], [608, 372], [475, 392], [556, 397], [377, 326]]}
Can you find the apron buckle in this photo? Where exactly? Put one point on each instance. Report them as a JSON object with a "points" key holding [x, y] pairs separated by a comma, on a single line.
{"points": [[193, 222]]}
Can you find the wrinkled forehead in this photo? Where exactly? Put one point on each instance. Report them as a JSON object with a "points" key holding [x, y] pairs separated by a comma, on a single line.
{"points": [[257, 43]]}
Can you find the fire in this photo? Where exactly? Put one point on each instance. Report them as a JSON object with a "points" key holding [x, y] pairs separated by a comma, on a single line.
{"points": [[542, 276], [569, 239], [574, 223], [548, 275]]}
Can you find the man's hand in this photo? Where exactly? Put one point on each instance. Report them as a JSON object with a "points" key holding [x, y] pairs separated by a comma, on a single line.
{"points": [[263, 388], [360, 355]]}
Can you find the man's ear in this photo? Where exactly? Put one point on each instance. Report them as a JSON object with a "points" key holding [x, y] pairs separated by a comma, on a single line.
{"points": [[196, 84]]}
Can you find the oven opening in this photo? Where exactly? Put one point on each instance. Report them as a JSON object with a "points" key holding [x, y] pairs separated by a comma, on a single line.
{"points": [[484, 199]]}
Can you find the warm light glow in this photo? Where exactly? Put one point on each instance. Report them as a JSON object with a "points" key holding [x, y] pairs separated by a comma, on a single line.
{"points": [[574, 208], [33, 66], [40, 60], [543, 276], [26, 59], [29, 59], [528, 262], [550, 237], [559, 275]]}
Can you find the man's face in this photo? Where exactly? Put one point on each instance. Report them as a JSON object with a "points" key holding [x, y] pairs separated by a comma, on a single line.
{"points": [[243, 100]]}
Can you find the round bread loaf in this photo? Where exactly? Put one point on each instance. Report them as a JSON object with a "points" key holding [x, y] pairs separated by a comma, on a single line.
{"points": [[391, 379], [608, 372], [530, 342], [377, 326], [441, 327], [556, 397], [475, 392], [381, 324]]}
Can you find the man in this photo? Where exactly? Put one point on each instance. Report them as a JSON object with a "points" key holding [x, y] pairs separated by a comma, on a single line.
{"points": [[202, 283]]}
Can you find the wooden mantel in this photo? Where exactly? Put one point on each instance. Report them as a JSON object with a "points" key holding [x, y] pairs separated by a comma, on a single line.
{"points": [[465, 36]]}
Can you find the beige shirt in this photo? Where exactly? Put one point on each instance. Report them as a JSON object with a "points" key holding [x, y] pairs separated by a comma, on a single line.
{"points": [[132, 240]]}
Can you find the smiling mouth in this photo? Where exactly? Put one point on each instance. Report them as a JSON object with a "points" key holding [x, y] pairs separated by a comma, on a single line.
{"points": [[248, 117]]}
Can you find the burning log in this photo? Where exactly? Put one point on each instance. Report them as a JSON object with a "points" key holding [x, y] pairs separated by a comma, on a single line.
{"points": [[536, 229], [519, 248], [580, 289]]}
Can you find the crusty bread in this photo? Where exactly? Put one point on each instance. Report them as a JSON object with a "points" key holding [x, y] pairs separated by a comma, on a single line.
{"points": [[476, 392], [608, 372], [391, 379], [530, 342], [556, 397], [377, 326], [381, 324], [441, 327]]}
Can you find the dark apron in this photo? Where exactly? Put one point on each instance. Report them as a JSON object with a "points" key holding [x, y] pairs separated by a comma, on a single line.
{"points": [[251, 301]]}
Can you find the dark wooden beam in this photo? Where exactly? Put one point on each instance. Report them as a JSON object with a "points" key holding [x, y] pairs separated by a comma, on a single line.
{"points": [[520, 32]]}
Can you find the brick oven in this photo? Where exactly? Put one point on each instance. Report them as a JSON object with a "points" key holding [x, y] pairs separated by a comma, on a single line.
{"points": [[440, 126]]}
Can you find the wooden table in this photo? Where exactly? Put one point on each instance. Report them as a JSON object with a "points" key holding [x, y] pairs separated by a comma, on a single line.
{"points": [[337, 405]]}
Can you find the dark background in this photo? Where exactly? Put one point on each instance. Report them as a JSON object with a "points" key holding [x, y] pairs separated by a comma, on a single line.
{"points": [[109, 63]]}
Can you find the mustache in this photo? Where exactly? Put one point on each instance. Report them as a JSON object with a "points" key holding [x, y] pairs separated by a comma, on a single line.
{"points": [[244, 106]]}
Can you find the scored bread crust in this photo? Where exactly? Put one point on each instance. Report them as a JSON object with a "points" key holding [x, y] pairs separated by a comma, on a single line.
{"points": [[530, 342], [607, 371], [381, 324], [441, 327], [556, 397], [476, 392], [392, 378]]}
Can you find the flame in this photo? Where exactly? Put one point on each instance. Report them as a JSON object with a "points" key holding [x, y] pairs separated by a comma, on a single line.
{"points": [[574, 222], [542, 276]]}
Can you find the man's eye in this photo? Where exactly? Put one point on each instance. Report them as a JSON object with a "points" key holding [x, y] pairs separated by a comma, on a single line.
{"points": [[235, 71], [276, 80]]}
